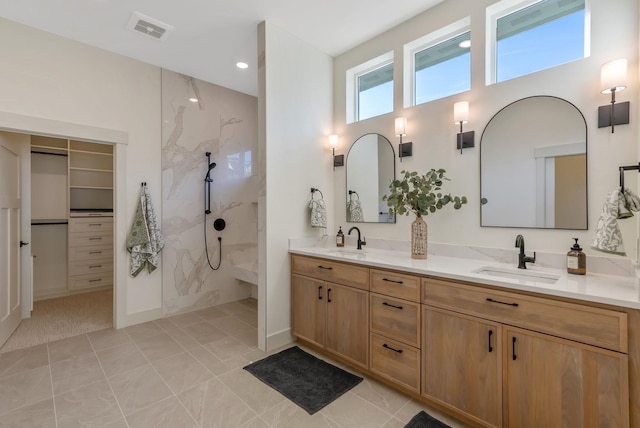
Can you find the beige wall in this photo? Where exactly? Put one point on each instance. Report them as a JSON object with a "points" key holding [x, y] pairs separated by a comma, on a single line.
{"points": [[614, 28], [90, 93], [294, 110]]}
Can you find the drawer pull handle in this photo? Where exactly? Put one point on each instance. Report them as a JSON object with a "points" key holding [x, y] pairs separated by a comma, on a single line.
{"points": [[393, 306], [328, 295], [490, 334], [391, 280], [325, 267], [399, 351], [489, 299], [95, 239], [513, 347], [320, 292], [95, 280], [95, 266], [95, 252]]}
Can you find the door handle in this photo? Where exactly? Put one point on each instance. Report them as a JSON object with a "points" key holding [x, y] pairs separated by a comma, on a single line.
{"points": [[329, 295], [22, 244], [490, 334], [513, 348], [320, 292]]}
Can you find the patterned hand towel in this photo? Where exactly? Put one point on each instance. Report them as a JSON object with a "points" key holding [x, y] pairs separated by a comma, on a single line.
{"points": [[144, 241], [354, 210], [619, 205], [318, 213]]}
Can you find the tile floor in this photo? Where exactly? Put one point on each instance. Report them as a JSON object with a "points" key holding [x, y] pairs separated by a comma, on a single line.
{"points": [[183, 371]]}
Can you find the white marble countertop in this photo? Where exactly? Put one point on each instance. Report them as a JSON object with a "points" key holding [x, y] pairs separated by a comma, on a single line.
{"points": [[623, 291]]}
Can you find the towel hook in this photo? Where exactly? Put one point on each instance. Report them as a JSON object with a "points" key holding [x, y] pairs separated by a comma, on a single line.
{"points": [[352, 192], [313, 190], [143, 184]]}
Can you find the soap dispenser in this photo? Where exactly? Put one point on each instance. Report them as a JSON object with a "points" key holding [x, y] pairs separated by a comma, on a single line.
{"points": [[576, 260], [340, 238]]}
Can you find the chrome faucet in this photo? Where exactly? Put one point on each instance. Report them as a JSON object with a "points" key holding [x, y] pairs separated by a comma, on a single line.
{"points": [[362, 241], [522, 258]]}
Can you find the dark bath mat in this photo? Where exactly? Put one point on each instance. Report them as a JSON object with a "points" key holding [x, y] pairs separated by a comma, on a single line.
{"points": [[425, 420], [304, 379]]}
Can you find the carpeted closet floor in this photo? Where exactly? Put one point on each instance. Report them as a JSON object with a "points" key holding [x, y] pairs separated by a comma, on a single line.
{"points": [[63, 317]]}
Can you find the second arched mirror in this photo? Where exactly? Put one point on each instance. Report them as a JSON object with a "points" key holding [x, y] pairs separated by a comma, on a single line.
{"points": [[533, 166], [370, 169]]}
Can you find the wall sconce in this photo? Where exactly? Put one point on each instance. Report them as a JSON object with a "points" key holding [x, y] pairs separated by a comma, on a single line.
{"points": [[460, 116], [338, 160], [613, 78], [404, 149]]}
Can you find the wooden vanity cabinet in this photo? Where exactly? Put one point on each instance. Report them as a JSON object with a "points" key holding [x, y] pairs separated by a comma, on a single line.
{"points": [[395, 327], [330, 315], [462, 364], [543, 374], [553, 382]]}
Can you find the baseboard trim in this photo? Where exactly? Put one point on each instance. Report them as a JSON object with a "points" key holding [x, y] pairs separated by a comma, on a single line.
{"points": [[279, 339], [143, 316]]}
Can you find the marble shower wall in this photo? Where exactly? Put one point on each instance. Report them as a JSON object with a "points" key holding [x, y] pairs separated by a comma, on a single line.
{"points": [[223, 122]]}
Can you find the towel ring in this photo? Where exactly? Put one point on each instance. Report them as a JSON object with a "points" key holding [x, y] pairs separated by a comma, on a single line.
{"points": [[314, 190], [627, 168]]}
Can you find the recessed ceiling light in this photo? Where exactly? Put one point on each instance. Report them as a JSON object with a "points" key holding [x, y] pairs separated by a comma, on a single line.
{"points": [[193, 99], [465, 44], [242, 65]]}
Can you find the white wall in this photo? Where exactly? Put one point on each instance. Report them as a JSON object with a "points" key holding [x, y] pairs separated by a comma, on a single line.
{"points": [[430, 126], [295, 115], [90, 92]]}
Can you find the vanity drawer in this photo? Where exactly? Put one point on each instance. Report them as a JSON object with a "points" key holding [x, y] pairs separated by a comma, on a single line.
{"points": [[599, 327], [395, 361], [395, 318], [396, 284], [328, 270], [91, 224]]}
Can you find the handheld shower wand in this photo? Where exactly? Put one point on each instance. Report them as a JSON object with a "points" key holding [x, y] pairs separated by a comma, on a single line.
{"points": [[219, 224], [208, 180]]}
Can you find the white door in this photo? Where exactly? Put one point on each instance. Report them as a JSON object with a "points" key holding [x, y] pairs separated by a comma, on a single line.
{"points": [[10, 287]]}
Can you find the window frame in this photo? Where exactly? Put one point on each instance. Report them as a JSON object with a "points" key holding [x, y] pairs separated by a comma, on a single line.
{"points": [[425, 42], [506, 7], [352, 76]]}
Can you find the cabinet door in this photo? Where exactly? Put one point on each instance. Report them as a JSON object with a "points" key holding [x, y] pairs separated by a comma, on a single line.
{"points": [[553, 382], [308, 309], [348, 323], [462, 364]]}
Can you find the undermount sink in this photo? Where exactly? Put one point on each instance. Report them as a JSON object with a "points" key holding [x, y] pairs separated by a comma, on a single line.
{"points": [[347, 251], [519, 274]]}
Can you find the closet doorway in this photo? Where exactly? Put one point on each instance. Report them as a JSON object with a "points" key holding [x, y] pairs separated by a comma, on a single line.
{"points": [[71, 210]]}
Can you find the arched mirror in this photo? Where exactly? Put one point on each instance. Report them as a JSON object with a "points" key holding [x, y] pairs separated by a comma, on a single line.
{"points": [[533, 166], [370, 169]]}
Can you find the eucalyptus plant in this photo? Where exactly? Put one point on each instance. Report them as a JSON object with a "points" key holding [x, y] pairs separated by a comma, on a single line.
{"points": [[420, 194]]}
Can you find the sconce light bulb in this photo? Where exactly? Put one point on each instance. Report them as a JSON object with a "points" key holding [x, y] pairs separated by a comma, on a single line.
{"points": [[333, 141], [461, 112], [613, 76], [401, 126]]}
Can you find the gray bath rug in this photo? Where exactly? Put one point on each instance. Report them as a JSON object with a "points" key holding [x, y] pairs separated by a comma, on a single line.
{"points": [[304, 379], [425, 420]]}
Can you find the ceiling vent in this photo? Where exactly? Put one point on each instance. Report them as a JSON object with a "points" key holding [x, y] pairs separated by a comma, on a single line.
{"points": [[148, 26]]}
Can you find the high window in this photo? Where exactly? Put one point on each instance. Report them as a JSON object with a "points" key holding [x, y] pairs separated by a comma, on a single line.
{"points": [[531, 36], [370, 89], [438, 65]]}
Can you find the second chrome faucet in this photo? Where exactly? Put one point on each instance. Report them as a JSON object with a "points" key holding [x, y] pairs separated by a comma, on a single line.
{"points": [[523, 259]]}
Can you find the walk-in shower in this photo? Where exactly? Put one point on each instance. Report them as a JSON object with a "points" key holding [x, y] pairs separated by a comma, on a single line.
{"points": [[219, 223]]}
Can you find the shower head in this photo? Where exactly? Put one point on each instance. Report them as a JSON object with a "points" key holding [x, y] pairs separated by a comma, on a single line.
{"points": [[207, 177]]}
